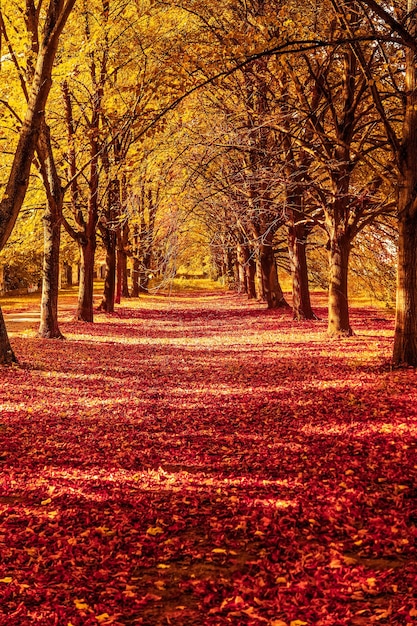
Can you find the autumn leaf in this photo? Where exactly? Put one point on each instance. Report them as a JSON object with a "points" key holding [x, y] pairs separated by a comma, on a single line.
{"points": [[81, 605], [219, 551], [133, 442], [154, 530]]}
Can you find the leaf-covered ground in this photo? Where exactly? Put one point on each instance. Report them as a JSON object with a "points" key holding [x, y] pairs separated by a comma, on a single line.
{"points": [[201, 461]]}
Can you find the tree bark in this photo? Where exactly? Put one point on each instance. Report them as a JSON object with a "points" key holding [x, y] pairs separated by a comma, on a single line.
{"points": [[241, 258], [301, 303], [49, 327], [405, 336], [136, 263], [122, 290], [251, 277], [107, 303], [119, 276], [85, 310], [135, 278], [7, 356], [259, 286], [338, 322], [68, 274], [272, 291]]}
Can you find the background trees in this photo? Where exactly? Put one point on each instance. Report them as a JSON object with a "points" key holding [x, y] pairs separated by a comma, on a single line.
{"points": [[292, 126]]}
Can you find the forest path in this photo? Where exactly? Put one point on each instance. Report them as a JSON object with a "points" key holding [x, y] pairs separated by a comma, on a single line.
{"points": [[199, 460]]}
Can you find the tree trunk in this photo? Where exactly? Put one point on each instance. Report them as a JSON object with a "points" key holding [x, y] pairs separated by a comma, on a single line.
{"points": [[405, 338], [122, 290], [241, 258], [338, 323], [251, 277], [68, 274], [52, 218], [124, 278], [143, 279], [135, 277], [107, 303], [272, 291], [119, 275], [85, 311], [259, 287], [301, 303], [48, 327], [7, 356], [225, 264]]}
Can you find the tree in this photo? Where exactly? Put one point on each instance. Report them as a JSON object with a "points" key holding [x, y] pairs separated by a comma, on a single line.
{"points": [[55, 17], [54, 192], [404, 150], [346, 143], [52, 219]]}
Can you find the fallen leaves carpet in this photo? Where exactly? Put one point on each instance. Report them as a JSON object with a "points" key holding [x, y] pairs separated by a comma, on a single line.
{"points": [[202, 461]]}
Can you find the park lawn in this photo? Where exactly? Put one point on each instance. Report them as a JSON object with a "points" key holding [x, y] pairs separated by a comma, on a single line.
{"points": [[195, 459]]}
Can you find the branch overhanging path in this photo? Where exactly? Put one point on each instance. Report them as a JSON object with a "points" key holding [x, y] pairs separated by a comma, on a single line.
{"points": [[200, 460], [287, 47]]}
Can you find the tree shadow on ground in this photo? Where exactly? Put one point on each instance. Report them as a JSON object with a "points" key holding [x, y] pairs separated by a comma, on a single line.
{"points": [[255, 479]]}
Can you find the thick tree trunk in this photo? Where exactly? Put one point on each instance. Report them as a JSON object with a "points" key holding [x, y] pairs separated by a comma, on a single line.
{"points": [[7, 356], [49, 327], [405, 338], [272, 291], [338, 323], [107, 303], [301, 303], [85, 310]]}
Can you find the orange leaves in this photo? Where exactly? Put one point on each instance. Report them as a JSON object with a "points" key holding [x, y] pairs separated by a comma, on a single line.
{"points": [[154, 531]]}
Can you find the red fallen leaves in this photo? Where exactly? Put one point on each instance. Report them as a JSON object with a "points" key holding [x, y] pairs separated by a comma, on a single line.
{"points": [[208, 462]]}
